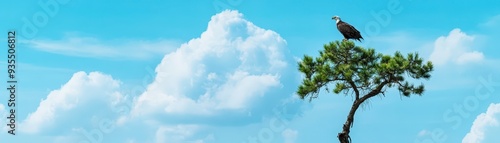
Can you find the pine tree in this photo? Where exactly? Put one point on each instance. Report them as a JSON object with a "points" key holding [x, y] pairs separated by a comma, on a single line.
{"points": [[361, 72]]}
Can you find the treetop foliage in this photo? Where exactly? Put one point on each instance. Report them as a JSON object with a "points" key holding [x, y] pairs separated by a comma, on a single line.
{"points": [[354, 68]]}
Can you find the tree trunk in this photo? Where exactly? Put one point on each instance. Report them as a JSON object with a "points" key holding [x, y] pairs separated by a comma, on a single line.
{"points": [[344, 135]]}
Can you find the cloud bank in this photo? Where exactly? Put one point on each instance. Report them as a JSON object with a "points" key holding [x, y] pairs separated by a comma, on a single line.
{"points": [[456, 49], [81, 91], [234, 74], [228, 68], [484, 124]]}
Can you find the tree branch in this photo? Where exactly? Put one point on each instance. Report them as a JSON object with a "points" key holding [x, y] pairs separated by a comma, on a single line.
{"points": [[355, 88], [374, 91]]}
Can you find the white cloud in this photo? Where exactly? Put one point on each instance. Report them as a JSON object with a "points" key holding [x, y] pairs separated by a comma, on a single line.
{"points": [[473, 56], [232, 64], [177, 134], [80, 90], [483, 123], [289, 135], [92, 47], [247, 86], [455, 48], [220, 75]]}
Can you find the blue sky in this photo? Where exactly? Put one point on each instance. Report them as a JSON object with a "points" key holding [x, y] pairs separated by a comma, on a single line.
{"points": [[193, 72]]}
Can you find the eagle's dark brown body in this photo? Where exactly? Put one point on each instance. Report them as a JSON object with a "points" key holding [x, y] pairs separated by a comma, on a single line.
{"points": [[347, 30]]}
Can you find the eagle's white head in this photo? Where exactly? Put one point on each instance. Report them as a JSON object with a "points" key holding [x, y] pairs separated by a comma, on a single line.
{"points": [[336, 18]]}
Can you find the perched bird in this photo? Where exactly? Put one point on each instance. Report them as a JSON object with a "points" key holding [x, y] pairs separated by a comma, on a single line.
{"points": [[347, 30]]}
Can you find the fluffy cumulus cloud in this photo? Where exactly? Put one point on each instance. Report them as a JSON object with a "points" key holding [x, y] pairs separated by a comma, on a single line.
{"points": [[235, 73], [455, 48], [289, 135], [71, 103], [484, 123], [230, 66]]}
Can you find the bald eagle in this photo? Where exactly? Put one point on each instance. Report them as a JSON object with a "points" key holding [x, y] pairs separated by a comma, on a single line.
{"points": [[347, 30]]}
